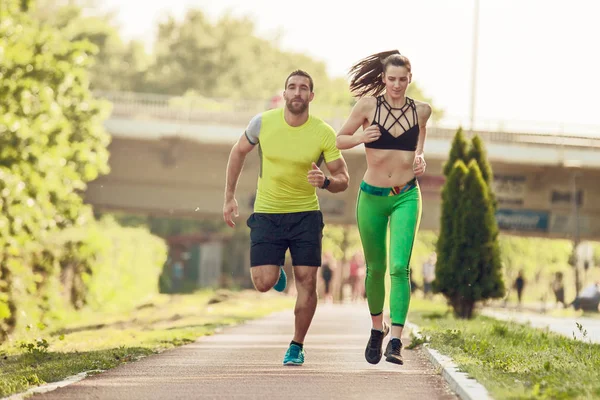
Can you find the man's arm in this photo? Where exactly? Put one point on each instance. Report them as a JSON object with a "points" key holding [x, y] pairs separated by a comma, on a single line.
{"points": [[339, 175], [237, 156]]}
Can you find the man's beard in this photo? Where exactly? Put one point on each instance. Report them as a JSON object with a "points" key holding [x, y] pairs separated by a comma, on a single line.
{"points": [[296, 109]]}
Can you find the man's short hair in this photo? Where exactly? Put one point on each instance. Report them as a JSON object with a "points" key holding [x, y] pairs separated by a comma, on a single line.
{"points": [[299, 72]]}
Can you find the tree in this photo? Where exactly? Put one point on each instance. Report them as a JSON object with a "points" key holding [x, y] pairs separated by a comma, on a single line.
{"points": [[480, 232], [478, 153], [472, 270], [117, 65], [450, 244], [458, 151], [51, 141], [196, 57]]}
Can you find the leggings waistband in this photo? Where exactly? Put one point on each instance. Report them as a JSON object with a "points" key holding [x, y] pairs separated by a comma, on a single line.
{"points": [[388, 191]]}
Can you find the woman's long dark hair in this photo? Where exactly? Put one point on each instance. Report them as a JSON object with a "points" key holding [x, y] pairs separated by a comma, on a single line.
{"points": [[366, 75]]}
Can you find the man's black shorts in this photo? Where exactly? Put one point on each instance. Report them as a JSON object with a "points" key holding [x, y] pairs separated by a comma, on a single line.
{"points": [[272, 234]]}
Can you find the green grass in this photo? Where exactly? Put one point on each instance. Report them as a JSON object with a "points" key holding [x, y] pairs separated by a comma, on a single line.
{"points": [[512, 361], [99, 342]]}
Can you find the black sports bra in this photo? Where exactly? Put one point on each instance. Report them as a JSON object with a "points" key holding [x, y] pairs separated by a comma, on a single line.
{"points": [[405, 141]]}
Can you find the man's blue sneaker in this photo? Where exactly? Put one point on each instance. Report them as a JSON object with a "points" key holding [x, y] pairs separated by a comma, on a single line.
{"points": [[282, 282], [294, 355]]}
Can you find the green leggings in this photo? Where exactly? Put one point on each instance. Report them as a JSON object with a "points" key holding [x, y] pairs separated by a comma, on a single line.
{"points": [[399, 206]]}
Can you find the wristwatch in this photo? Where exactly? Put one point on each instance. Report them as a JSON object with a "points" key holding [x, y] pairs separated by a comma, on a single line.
{"points": [[326, 183]]}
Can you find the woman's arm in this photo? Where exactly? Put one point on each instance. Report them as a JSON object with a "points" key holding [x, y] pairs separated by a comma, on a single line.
{"points": [[423, 113], [346, 137]]}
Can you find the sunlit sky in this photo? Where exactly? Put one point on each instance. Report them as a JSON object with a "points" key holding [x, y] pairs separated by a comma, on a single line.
{"points": [[538, 60]]}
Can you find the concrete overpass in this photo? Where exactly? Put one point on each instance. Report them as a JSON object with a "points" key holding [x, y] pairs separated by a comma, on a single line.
{"points": [[169, 158]]}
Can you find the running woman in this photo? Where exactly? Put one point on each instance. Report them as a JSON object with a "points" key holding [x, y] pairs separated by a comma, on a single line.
{"points": [[393, 134]]}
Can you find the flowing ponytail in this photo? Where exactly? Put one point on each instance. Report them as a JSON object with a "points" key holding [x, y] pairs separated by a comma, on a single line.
{"points": [[366, 75]]}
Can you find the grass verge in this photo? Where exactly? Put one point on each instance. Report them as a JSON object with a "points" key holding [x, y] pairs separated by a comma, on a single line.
{"points": [[512, 361], [100, 342]]}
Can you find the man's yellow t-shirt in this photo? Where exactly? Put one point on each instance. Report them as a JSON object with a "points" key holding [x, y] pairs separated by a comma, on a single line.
{"points": [[286, 155]]}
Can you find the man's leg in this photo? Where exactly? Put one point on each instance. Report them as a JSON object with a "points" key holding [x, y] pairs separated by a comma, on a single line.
{"points": [[267, 250], [305, 234], [306, 304], [265, 277], [306, 301]]}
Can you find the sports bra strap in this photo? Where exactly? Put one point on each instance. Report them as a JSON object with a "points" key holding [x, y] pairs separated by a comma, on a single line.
{"points": [[410, 104]]}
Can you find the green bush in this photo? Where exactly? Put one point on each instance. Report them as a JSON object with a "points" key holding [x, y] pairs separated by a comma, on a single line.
{"points": [[124, 265], [101, 266]]}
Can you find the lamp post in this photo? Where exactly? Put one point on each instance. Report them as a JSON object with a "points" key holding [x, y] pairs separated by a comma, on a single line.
{"points": [[474, 65], [574, 167]]}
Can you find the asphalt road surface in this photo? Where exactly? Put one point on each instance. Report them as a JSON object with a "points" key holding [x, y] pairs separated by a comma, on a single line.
{"points": [[245, 362]]}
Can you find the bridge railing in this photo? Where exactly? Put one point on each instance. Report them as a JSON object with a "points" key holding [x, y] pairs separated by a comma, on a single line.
{"points": [[181, 109], [194, 109]]}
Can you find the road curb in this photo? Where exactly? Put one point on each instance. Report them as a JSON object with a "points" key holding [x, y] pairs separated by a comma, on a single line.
{"points": [[464, 386], [48, 387]]}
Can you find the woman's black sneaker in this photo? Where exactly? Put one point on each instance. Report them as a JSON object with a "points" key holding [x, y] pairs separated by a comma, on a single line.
{"points": [[375, 345], [392, 352]]}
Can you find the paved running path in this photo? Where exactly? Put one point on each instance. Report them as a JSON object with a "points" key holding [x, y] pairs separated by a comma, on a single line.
{"points": [[564, 325], [244, 362]]}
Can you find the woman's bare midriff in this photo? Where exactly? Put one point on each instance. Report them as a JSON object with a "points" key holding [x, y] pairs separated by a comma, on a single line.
{"points": [[387, 168]]}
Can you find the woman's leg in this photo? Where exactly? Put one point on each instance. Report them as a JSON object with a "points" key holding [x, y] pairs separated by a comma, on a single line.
{"points": [[404, 223], [372, 219]]}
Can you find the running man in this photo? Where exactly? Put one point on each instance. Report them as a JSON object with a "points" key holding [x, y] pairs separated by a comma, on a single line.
{"points": [[292, 145]]}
